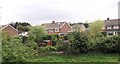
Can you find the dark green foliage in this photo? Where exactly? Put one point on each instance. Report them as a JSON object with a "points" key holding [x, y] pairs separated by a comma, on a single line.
{"points": [[78, 41], [62, 47], [15, 51], [42, 51], [109, 44], [104, 33], [36, 34], [24, 39], [15, 25], [81, 42], [24, 26], [47, 37]]}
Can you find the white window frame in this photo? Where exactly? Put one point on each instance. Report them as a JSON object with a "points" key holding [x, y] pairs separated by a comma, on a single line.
{"points": [[109, 27], [56, 29], [116, 27]]}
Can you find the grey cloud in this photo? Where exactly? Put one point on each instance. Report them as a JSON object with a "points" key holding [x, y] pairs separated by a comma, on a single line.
{"points": [[40, 12], [37, 11]]}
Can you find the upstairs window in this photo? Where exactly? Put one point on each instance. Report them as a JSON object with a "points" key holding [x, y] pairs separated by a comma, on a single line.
{"points": [[116, 27], [50, 30], [109, 27], [56, 29]]}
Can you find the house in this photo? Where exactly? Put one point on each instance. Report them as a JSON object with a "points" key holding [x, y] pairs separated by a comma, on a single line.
{"points": [[57, 27], [9, 30], [23, 34], [80, 27], [112, 26]]}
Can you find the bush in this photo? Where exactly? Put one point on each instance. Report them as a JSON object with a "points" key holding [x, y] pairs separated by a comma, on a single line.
{"points": [[42, 51], [15, 51], [62, 47], [109, 44], [36, 34], [79, 42], [32, 45]]}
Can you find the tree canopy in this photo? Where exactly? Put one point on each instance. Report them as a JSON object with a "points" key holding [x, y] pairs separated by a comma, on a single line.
{"points": [[37, 33], [21, 26], [96, 27]]}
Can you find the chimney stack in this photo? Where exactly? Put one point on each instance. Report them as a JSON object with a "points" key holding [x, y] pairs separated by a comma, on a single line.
{"points": [[53, 22], [108, 19]]}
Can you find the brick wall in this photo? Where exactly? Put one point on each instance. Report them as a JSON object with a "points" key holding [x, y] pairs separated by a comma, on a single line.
{"points": [[9, 30], [65, 28]]}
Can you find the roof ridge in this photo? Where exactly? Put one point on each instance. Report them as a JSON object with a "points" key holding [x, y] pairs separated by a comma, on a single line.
{"points": [[113, 19]]}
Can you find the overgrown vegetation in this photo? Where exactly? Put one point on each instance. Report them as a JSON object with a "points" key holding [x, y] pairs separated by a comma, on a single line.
{"points": [[15, 51], [22, 27], [74, 45], [109, 44], [36, 34]]}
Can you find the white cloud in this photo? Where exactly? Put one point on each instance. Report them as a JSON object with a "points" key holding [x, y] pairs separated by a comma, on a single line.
{"points": [[39, 11]]}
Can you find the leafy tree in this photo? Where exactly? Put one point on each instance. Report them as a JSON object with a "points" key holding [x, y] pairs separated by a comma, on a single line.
{"points": [[94, 33], [21, 26], [95, 28], [79, 42], [36, 34], [15, 51]]}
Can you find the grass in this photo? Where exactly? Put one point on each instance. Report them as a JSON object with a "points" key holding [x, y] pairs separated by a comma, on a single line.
{"points": [[79, 58], [94, 58]]}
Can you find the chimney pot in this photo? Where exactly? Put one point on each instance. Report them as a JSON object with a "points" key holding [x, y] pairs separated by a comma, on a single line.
{"points": [[108, 19], [53, 22]]}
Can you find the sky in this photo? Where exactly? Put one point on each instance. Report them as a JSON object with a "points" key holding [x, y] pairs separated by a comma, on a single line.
{"points": [[43, 11]]}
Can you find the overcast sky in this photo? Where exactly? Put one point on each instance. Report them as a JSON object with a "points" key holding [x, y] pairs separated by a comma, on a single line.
{"points": [[41, 11]]}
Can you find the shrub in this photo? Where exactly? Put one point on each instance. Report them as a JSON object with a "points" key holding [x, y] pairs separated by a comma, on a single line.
{"points": [[32, 45], [42, 51], [14, 51], [79, 42], [109, 44], [49, 48], [62, 47], [36, 34]]}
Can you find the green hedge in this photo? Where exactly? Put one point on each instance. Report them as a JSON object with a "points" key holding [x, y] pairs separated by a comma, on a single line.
{"points": [[109, 44]]}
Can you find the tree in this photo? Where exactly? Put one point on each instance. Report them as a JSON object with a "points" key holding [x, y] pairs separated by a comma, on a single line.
{"points": [[15, 51], [79, 42], [95, 28], [95, 33], [36, 34], [24, 26]]}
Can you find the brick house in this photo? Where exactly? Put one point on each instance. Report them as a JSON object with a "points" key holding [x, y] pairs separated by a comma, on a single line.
{"points": [[9, 30], [80, 27], [112, 26], [57, 27]]}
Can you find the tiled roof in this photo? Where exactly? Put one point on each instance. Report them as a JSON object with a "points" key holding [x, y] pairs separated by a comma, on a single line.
{"points": [[2, 26], [53, 25], [112, 22]]}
